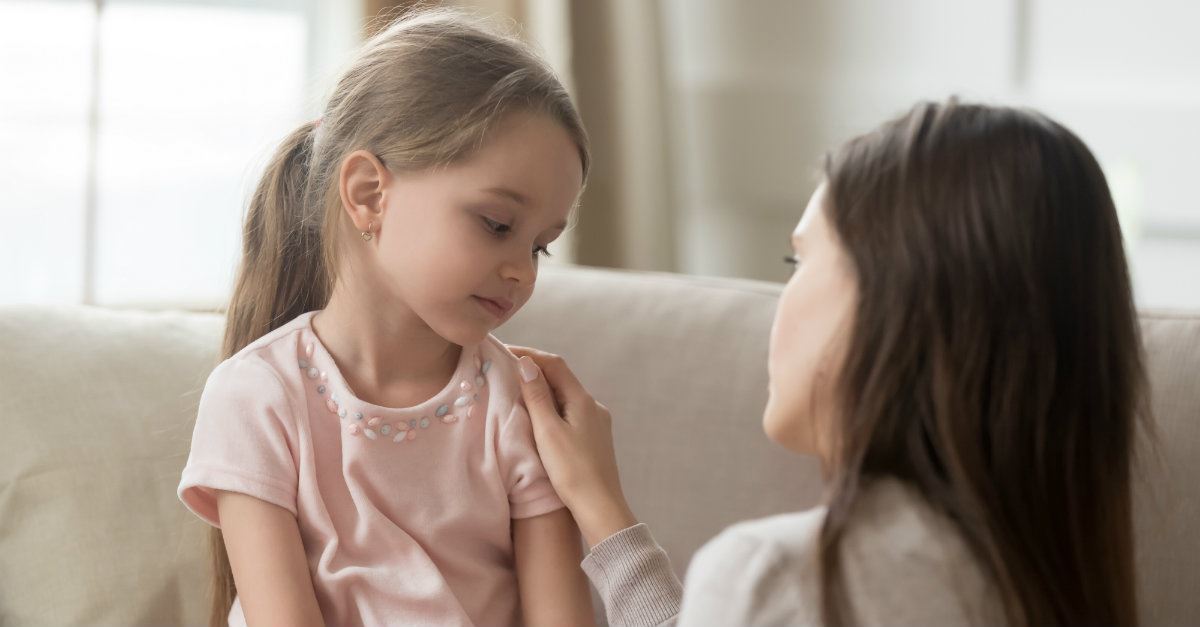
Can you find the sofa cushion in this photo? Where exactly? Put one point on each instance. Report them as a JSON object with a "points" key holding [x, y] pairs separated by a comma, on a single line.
{"points": [[97, 408]]}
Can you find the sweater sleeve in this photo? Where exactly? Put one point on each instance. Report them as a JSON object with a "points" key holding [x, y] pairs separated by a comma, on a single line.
{"points": [[634, 578]]}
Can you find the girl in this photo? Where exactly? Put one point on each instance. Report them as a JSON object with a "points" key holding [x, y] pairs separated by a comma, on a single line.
{"points": [[959, 346], [362, 451]]}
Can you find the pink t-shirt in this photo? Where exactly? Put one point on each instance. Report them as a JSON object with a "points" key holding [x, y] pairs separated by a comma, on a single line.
{"points": [[404, 513]]}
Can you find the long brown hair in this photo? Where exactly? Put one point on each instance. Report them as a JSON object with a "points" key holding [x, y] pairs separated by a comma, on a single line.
{"points": [[423, 92], [994, 360]]}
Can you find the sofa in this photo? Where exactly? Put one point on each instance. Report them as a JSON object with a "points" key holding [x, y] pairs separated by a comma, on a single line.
{"points": [[97, 408]]}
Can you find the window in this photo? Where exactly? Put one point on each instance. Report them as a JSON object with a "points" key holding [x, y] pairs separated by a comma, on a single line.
{"points": [[134, 132]]}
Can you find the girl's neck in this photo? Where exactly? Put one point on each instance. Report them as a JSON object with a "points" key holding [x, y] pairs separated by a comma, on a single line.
{"points": [[393, 356]]}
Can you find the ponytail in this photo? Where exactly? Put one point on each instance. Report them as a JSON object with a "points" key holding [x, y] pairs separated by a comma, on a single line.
{"points": [[282, 274]]}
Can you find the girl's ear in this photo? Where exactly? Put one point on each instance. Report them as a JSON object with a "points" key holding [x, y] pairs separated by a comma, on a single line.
{"points": [[361, 183]]}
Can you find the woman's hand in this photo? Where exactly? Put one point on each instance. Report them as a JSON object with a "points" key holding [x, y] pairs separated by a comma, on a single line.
{"points": [[574, 439]]}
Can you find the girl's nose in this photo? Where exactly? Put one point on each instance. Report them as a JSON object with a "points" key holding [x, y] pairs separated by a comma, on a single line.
{"points": [[522, 269]]}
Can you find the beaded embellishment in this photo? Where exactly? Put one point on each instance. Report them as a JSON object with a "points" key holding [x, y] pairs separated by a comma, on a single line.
{"points": [[465, 406]]}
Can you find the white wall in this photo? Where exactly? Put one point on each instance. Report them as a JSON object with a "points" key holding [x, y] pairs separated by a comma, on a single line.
{"points": [[763, 88]]}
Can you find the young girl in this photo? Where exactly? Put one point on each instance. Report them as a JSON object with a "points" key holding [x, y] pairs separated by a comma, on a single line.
{"points": [[362, 451]]}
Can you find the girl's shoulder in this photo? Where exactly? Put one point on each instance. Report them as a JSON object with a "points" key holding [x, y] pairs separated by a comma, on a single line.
{"points": [[499, 366], [503, 360], [275, 362]]}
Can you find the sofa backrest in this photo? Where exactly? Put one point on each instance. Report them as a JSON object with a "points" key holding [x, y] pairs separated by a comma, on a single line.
{"points": [[97, 408]]}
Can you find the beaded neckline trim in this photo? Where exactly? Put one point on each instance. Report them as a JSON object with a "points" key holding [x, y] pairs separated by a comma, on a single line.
{"points": [[465, 406]]}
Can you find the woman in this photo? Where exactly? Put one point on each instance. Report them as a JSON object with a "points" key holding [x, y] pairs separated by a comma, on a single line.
{"points": [[959, 347]]}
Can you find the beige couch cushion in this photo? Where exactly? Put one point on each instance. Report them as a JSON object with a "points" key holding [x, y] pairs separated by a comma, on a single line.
{"points": [[97, 406]]}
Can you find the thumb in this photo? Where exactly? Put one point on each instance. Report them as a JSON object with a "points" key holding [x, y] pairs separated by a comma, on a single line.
{"points": [[539, 398]]}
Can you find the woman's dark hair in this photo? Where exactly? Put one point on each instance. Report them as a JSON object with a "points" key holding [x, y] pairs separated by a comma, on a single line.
{"points": [[994, 360]]}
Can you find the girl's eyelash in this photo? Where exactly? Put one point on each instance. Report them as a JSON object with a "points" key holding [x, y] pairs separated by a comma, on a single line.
{"points": [[499, 229], [792, 259]]}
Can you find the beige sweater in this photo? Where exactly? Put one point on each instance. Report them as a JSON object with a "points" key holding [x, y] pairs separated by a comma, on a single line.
{"points": [[904, 564]]}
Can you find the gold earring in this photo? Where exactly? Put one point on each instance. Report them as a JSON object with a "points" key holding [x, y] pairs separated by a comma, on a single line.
{"points": [[366, 235]]}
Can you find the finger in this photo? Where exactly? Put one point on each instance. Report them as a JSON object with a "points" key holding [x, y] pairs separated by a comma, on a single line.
{"points": [[562, 380], [539, 398]]}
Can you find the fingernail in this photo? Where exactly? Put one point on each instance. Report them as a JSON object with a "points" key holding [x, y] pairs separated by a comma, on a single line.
{"points": [[529, 370]]}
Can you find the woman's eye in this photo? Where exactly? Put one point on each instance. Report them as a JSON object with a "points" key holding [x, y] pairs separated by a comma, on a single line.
{"points": [[793, 261], [499, 228]]}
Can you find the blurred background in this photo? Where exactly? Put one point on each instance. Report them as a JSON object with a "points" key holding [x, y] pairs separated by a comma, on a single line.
{"points": [[132, 131]]}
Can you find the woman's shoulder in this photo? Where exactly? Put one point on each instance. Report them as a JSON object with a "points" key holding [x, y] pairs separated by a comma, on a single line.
{"points": [[901, 563], [783, 541], [760, 571]]}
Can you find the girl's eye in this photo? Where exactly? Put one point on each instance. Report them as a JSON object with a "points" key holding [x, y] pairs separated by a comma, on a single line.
{"points": [[499, 228]]}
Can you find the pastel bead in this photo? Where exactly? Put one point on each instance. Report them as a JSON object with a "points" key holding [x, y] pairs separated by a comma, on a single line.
{"points": [[412, 424], [304, 364], [313, 372], [385, 429], [331, 405], [352, 429], [374, 421], [465, 386], [462, 401], [424, 423], [412, 435], [358, 415], [324, 376], [480, 381], [473, 412], [308, 350], [449, 419], [400, 436], [487, 365], [320, 389], [342, 413], [442, 411], [478, 363], [370, 433]]}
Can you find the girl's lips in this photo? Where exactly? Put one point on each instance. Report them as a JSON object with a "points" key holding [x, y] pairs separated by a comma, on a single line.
{"points": [[498, 307]]}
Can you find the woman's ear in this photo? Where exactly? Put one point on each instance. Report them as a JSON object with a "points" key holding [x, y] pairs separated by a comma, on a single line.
{"points": [[362, 184]]}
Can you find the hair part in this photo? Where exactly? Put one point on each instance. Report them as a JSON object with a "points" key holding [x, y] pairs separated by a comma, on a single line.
{"points": [[994, 363], [423, 92]]}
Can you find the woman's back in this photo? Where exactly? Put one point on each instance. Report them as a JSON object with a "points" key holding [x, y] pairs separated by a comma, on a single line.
{"points": [[904, 564]]}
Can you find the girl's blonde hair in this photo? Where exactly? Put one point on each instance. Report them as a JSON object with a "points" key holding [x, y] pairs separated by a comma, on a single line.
{"points": [[423, 92]]}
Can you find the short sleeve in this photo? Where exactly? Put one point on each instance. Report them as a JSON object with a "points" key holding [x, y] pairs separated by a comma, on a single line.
{"points": [[241, 441], [529, 491]]}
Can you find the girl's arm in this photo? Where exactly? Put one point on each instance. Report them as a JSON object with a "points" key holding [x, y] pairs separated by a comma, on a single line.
{"points": [[268, 562], [553, 588]]}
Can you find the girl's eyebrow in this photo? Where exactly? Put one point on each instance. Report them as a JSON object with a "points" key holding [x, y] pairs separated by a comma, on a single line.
{"points": [[508, 193], [520, 199]]}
